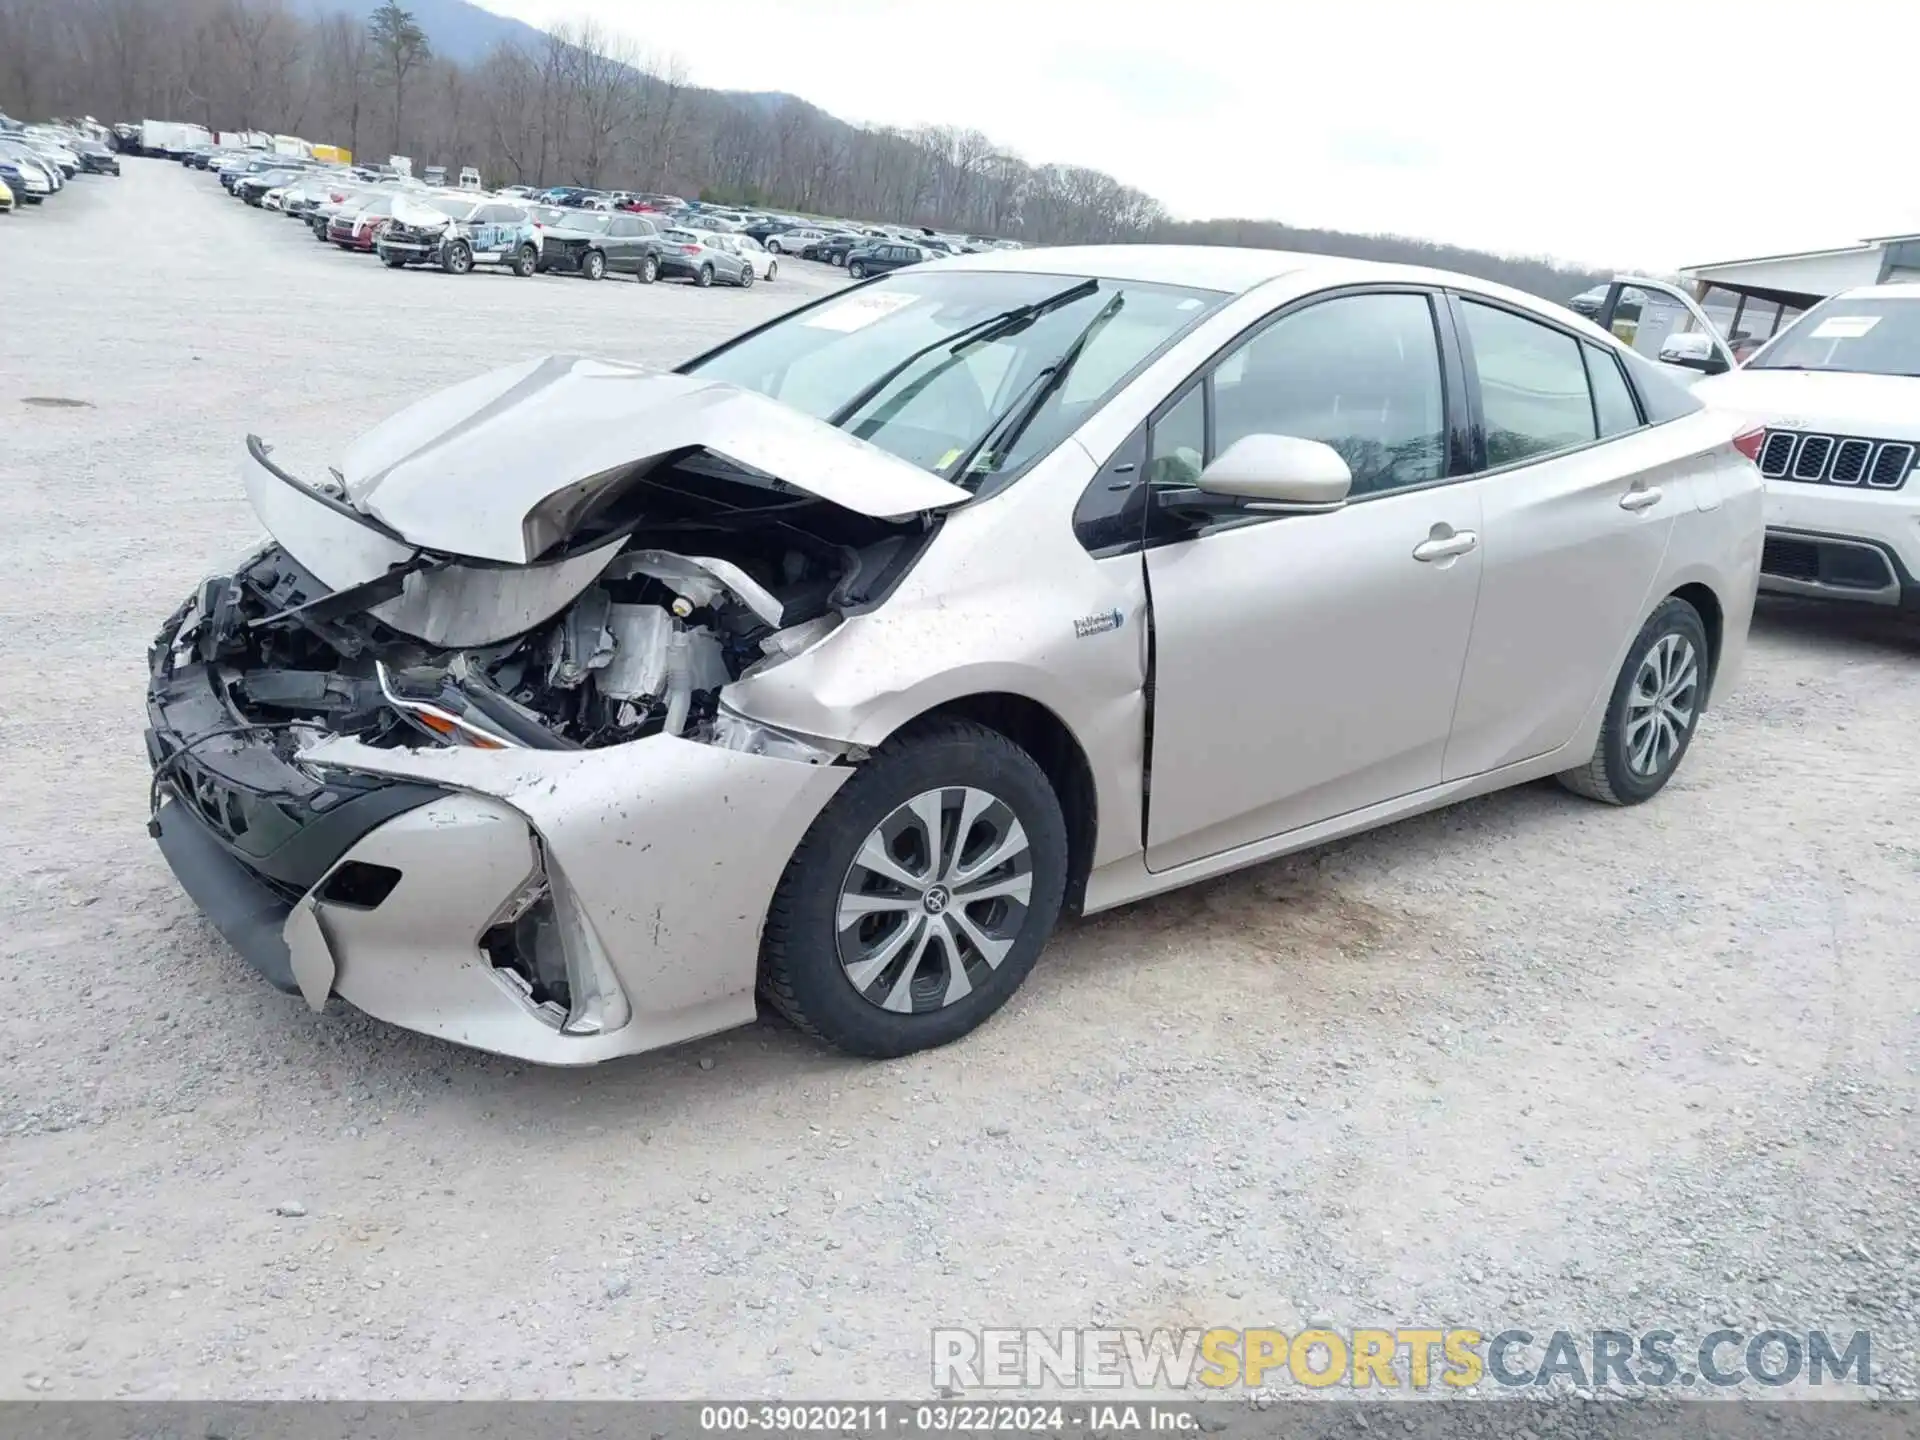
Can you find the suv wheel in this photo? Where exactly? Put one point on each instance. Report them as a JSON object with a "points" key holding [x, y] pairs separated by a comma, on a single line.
{"points": [[649, 269], [856, 270], [594, 266], [921, 896], [746, 277], [525, 261], [1653, 711], [457, 259], [705, 278]]}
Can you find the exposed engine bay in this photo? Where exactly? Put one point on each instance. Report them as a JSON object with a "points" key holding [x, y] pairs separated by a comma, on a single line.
{"points": [[709, 573]]}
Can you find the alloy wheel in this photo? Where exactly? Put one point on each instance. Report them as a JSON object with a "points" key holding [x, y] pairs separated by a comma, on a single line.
{"points": [[934, 899], [1661, 704]]}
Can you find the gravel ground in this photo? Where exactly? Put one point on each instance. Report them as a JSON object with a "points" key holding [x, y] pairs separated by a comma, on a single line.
{"points": [[1529, 1062]]}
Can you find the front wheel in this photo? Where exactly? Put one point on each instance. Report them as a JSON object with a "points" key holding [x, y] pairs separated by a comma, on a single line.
{"points": [[393, 262], [525, 261], [773, 248], [1653, 711], [773, 268], [649, 270], [921, 896], [456, 259], [856, 271], [594, 266]]}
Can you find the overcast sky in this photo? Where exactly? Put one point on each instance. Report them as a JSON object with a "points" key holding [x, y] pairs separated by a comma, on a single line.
{"points": [[1636, 133]]}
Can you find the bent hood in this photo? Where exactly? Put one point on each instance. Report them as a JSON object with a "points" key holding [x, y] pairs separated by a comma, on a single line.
{"points": [[459, 471], [1884, 407]]}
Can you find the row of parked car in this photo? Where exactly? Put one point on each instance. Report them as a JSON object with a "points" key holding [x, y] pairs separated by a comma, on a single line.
{"points": [[37, 161], [407, 223]]}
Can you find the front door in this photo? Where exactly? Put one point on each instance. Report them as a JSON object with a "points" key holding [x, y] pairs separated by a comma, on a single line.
{"points": [[1306, 666]]}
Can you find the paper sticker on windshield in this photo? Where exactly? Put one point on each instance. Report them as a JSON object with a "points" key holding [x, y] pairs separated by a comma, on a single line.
{"points": [[856, 312], [1844, 327]]}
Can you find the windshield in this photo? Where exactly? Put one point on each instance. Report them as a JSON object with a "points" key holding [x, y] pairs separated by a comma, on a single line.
{"points": [[937, 409], [452, 206], [588, 224], [1867, 336]]}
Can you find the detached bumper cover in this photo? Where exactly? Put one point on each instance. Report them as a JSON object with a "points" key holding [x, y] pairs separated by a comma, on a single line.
{"points": [[245, 911]]}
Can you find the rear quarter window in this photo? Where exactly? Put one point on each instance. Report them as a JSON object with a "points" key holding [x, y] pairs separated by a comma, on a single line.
{"points": [[1662, 397]]}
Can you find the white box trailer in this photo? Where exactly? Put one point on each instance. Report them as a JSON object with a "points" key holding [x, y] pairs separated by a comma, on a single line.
{"points": [[244, 140], [292, 146], [170, 137]]}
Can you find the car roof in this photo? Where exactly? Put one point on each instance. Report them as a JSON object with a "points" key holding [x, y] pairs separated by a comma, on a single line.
{"points": [[1228, 268], [1903, 290]]}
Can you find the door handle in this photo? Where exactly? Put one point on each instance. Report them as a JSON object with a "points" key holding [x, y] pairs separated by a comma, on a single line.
{"points": [[1446, 547], [1641, 499]]}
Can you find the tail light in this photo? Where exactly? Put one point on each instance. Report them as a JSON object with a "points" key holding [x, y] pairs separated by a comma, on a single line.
{"points": [[689, 249], [1748, 442]]}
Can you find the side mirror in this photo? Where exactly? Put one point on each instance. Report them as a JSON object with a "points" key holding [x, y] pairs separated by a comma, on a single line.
{"points": [[1279, 474]]}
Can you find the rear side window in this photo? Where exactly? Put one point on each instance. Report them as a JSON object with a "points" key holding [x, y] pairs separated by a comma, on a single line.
{"points": [[1533, 386], [1662, 397], [1613, 403]]}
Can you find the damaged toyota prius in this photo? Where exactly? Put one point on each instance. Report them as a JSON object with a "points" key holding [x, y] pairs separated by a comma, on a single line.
{"points": [[573, 708]]}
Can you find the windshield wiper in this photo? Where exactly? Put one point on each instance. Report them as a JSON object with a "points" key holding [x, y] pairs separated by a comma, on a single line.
{"points": [[1017, 416], [980, 332]]}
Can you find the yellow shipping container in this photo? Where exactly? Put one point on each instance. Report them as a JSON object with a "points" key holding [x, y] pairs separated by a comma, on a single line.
{"points": [[334, 154]]}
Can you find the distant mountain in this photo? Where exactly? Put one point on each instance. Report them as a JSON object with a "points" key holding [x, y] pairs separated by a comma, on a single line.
{"points": [[460, 31]]}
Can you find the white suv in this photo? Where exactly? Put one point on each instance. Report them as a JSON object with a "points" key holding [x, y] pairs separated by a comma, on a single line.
{"points": [[1839, 394]]}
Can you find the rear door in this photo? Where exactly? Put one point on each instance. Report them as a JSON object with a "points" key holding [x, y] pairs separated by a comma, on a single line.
{"points": [[622, 245], [1578, 509], [1306, 666]]}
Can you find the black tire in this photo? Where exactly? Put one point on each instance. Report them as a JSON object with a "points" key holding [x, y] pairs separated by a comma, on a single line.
{"points": [[705, 278], [801, 973], [649, 269], [773, 268], [773, 248], [746, 277], [393, 262], [837, 258], [593, 265], [856, 270], [525, 261], [1610, 775], [456, 259]]}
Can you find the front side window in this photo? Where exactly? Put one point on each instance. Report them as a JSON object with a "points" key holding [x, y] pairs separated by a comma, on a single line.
{"points": [[940, 369], [1360, 373], [1865, 336], [1533, 386]]}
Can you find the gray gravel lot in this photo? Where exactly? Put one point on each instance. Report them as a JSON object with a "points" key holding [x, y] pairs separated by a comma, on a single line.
{"points": [[1529, 1062]]}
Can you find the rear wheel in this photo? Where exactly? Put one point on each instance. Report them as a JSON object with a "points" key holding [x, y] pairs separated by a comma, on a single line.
{"points": [[746, 277], [920, 898], [773, 248], [525, 261], [649, 270], [594, 266], [837, 258], [456, 259], [1653, 711], [773, 268], [705, 278]]}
